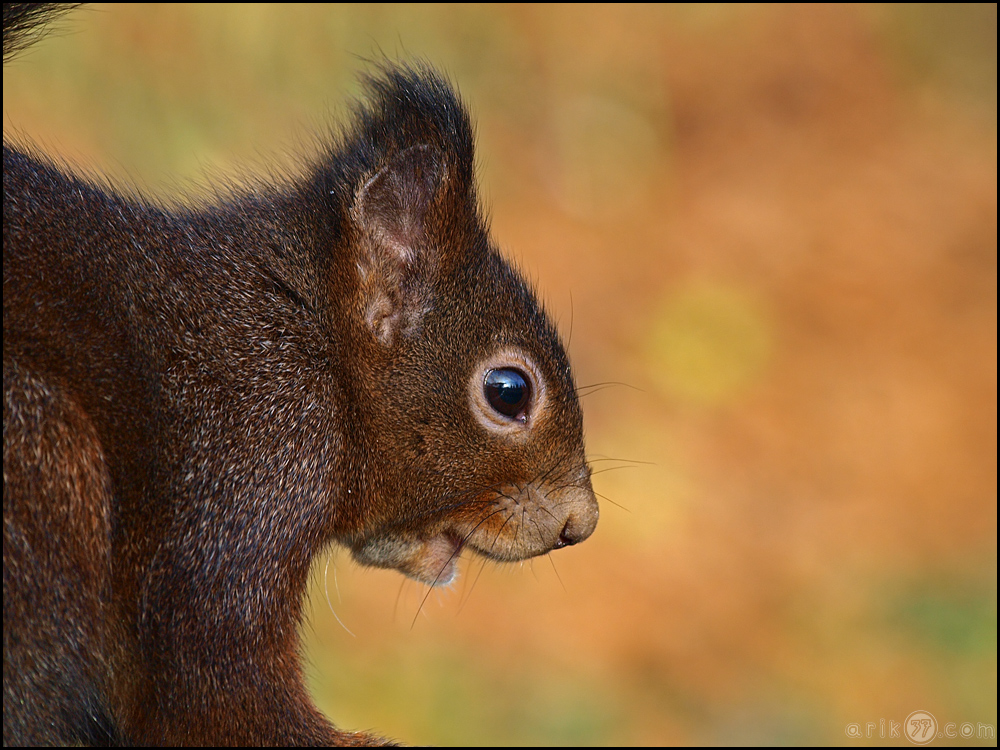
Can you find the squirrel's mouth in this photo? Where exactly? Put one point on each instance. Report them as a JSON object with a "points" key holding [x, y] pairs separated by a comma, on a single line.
{"points": [[517, 524]]}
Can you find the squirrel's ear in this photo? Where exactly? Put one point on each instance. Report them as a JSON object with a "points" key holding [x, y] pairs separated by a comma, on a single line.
{"points": [[397, 265]]}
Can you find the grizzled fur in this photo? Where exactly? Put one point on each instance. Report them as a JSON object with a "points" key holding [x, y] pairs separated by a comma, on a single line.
{"points": [[197, 401]]}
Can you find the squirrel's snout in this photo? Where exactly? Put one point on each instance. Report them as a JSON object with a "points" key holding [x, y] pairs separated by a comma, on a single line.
{"points": [[581, 519]]}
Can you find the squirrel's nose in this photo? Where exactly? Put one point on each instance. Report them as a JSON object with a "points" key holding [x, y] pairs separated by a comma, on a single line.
{"points": [[566, 537], [581, 519]]}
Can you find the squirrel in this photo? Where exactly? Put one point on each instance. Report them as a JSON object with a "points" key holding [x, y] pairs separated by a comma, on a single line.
{"points": [[200, 398]]}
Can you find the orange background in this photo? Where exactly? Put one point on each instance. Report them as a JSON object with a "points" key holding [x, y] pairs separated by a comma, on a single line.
{"points": [[776, 226]]}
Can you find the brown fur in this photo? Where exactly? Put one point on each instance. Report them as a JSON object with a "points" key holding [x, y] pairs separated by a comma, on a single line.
{"points": [[197, 400]]}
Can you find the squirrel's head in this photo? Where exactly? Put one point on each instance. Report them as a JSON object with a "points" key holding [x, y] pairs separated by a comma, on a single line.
{"points": [[470, 431]]}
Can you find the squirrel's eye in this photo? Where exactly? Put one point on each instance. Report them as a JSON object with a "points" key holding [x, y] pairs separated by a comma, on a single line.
{"points": [[508, 392]]}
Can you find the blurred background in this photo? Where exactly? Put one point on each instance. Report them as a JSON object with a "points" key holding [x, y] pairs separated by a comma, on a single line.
{"points": [[770, 234]]}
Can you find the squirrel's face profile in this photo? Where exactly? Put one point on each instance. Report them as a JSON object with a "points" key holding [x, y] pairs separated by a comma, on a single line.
{"points": [[476, 432]]}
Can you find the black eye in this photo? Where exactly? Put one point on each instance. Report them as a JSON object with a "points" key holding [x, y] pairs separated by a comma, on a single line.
{"points": [[508, 392]]}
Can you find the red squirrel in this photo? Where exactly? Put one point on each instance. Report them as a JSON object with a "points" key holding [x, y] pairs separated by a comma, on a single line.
{"points": [[199, 399]]}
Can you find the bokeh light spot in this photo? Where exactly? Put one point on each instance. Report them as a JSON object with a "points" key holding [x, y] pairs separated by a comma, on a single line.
{"points": [[709, 342]]}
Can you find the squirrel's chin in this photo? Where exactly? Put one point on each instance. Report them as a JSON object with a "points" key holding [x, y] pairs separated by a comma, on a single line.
{"points": [[433, 561]]}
